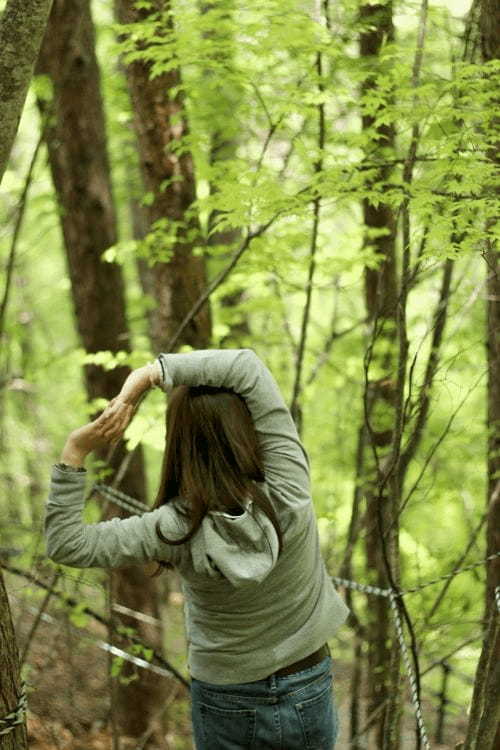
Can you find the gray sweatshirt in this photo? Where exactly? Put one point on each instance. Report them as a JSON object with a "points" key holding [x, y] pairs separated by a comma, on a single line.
{"points": [[247, 613]]}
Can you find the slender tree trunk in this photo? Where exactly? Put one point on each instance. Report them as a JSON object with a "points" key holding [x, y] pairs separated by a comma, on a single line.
{"points": [[381, 293], [10, 688], [22, 26], [177, 278], [484, 723], [76, 141], [222, 100], [490, 48]]}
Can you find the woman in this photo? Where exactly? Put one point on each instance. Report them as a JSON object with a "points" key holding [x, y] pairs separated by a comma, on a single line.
{"points": [[234, 516]]}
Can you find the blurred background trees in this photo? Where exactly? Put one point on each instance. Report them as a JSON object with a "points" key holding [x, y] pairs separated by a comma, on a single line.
{"points": [[317, 181]]}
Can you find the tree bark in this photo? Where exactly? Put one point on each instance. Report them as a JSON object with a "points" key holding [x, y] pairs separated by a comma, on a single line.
{"points": [[175, 282], [222, 100], [484, 724], [490, 47], [76, 141], [381, 294], [22, 26], [10, 689]]}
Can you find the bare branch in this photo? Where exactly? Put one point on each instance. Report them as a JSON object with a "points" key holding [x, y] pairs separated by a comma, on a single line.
{"points": [[458, 564], [437, 444], [218, 280], [318, 168], [38, 618], [440, 315], [327, 347], [17, 228], [71, 602], [286, 322]]}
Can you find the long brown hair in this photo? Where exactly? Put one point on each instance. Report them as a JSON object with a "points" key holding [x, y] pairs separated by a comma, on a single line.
{"points": [[212, 457]]}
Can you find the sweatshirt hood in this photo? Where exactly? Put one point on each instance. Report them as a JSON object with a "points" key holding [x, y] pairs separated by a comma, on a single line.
{"points": [[242, 549]]}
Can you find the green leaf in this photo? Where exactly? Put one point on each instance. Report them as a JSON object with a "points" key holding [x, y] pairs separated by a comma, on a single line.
{"points": [[77, 615]]}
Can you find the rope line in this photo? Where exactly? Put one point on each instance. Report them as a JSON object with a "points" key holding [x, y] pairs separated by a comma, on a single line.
{"points": [[15, 717], [111, 648], [363, 587], [8, 723], [134, 506], [165, 669], [126, 502], [367, 589], [409, 670], [446, 576], [120, 498]]}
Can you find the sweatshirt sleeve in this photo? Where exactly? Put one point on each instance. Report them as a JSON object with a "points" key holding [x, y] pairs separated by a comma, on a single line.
{"points": [[108, 544], [286, 463]]}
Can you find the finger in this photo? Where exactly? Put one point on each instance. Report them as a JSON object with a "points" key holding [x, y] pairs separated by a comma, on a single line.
{"points": [[110, 409], [117, 425], [113, 433], [114, 420], [110, 412]]}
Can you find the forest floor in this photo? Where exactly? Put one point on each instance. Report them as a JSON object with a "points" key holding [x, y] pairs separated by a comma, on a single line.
{"points": [[68, 689]]}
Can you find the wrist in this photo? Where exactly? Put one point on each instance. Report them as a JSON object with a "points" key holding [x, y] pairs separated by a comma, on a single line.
{"points": [[135, 385], [72, 455]]}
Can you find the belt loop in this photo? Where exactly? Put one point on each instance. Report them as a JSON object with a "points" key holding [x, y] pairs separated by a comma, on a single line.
{"points": [[272, 683]]}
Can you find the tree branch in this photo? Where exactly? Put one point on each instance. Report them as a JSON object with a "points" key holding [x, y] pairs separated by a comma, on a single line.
{"points": [[218, 280], [318, 168], [17, 228], [70, 602], [440, 315]]}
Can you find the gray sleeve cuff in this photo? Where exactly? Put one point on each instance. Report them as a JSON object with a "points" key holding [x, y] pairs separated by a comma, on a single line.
{"points": [[166, 383], [69, 469]]}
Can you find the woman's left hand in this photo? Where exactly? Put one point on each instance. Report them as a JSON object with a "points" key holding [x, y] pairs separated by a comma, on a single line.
{"points": [[108, 428]]}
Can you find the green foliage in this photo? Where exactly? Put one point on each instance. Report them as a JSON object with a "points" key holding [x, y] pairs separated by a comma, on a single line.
{"points": [[252, 93], [118, 664], [78, 616]]}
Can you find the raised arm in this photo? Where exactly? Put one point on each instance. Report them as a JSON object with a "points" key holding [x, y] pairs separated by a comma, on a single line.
{"points": [[118, 542], [285, 460], [108, 544]]}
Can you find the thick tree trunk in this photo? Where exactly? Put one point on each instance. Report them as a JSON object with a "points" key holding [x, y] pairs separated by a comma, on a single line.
{"points": [[176, 282], [78, 159], [22, 26], [381, 295], [10, 688]]}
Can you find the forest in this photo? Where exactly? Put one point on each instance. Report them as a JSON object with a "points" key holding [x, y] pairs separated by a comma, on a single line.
{"points": [[316, 180]]}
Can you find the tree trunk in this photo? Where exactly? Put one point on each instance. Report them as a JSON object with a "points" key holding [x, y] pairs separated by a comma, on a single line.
{"points": [[381, 295], [222, 99], [177, 278], [484, 724], [22, 26], [78, 159], [490, 46], [10, 689]]}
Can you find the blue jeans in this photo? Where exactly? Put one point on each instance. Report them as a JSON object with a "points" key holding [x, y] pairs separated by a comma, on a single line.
{"points": [[296, 712]]}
